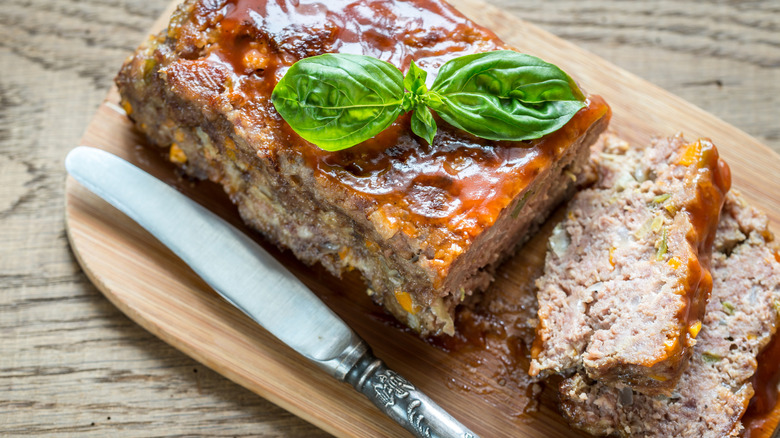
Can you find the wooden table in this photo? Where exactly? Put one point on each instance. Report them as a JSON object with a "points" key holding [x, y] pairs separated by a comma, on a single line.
{"points": [[72, 364]]}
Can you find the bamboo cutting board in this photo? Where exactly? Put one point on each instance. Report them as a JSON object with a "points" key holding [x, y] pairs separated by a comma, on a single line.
{"points": [[481, 388]]}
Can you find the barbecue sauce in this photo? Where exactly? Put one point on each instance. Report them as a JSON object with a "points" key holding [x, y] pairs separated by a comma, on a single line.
{"points": [[763, 412], [445, 194]]}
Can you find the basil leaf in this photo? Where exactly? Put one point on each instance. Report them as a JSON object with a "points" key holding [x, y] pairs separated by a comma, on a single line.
{"points": [[339, 100], [505, 95], [423, 123], [415, 80]]}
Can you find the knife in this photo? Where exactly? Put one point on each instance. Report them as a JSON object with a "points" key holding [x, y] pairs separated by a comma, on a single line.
{"points": [[249, 278]]}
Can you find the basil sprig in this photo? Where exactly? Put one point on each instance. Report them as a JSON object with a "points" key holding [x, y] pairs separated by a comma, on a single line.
{"points": [[339, 100]]}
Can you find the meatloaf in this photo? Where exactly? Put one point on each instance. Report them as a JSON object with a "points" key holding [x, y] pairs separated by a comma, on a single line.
{"points": [[627, 276], [713, 392], [424, 224]]}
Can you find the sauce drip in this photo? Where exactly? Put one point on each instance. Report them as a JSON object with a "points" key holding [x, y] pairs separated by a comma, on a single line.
{"points": [[763, 412], [713, 181]]}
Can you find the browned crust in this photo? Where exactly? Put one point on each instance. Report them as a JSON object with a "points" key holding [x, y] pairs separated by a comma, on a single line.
{"points": [[178, 100]]}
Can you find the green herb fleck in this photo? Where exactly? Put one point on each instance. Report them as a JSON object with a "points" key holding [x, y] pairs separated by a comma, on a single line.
{"points": [[148, 67], [521, 204], [710, 357], [661, 198], [339, 100], [728, 307], [662, 247]]}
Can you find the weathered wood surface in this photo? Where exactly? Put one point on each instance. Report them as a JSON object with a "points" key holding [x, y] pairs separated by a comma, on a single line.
{"points": [[72, 364]]}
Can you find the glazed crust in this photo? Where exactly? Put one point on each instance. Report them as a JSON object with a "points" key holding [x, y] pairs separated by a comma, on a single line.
{"points": [[424, 224]]}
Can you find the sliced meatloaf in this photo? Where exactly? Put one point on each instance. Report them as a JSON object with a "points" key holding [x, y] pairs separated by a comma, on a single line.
{"points": [[627, 275], [424, 224], [713, 392]]}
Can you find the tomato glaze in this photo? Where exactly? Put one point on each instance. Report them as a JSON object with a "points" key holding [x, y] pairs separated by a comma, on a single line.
{"points": [[446, 193]]}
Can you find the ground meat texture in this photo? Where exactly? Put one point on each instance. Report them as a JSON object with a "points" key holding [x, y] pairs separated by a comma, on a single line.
{"points": [[424, 224], [713, 392], [627, 275]]}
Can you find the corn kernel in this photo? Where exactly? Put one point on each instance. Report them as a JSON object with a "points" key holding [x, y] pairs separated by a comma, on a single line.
{"points": [[670, 344], [657, 224], [675, 263], [177, 155], [255, 60], [694, 329], [612, 256], [691, 154], [127, 107], [405, 300]]}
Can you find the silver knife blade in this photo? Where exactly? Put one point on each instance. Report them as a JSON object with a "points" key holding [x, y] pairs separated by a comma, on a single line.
{"points": [[256, 283], [228, 260]]}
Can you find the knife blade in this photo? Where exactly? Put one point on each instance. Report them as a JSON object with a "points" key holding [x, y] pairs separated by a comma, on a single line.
{"points": [[252, 280]]}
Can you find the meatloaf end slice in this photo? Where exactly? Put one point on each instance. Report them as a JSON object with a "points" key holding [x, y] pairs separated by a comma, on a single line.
{"points": [[714, 391], [627, 275], [424, 224]]}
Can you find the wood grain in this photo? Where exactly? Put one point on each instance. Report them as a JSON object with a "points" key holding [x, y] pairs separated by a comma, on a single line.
{"points": [[72, 364], [145, 281]]}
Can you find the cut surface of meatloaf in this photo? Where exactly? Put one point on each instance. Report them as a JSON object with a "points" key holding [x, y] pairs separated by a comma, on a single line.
{"points": [[627, 275], [424, 224], [713, 392]]}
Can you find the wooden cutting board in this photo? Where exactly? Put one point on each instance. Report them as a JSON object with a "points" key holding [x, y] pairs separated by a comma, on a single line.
{"points": [[481, 388]]}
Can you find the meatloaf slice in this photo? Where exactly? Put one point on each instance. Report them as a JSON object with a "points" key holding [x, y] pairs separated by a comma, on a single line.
{"points": [[424, 224], [713, 392], [627, 275]]}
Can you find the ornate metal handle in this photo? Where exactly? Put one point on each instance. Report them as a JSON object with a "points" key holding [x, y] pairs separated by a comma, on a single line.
{"points": [[396, 396]]}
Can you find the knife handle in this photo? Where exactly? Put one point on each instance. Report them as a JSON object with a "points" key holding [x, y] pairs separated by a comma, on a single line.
{"points": [[401, 400]]}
